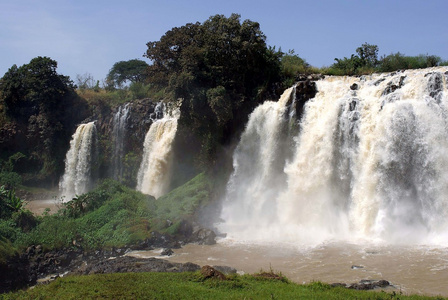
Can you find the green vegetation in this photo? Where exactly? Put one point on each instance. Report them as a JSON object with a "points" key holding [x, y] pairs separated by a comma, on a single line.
{"points": [[221, 69], [37, 105], [366, 62], [190, 286], [133, 70], [111, 215], [183, 203], [292, 65]]}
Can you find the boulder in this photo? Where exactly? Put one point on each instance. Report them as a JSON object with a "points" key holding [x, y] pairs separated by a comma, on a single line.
{"points": [[203, 236], [167, 252], [305, 90], [369, 285], [210, 272], [354, 87]]}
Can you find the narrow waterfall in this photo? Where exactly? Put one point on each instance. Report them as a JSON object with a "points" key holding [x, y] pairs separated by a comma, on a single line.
{"points": [[77, 177], [155, 169], [119, 132], [370, 162]]}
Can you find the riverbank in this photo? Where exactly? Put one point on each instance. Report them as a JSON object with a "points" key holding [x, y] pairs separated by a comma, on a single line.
{"points": [[192, 285]]}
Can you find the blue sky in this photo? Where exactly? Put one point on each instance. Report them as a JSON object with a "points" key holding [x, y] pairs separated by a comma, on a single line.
{"points": [[90, 36]]}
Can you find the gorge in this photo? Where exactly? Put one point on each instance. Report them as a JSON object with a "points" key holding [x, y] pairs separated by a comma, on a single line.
{"points": [[342, 178], [361, 158]]}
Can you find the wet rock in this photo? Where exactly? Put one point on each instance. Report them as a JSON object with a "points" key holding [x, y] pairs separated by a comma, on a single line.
{"points": [[210, 272], [126, 264], [158, 240], [355, 267], [379, 81], [203, 236], [435, 86], [391, 87], [305, 90], [354, 87], [167, 252], [364, 285], [338, 284], [353, 104], [369, 285]]}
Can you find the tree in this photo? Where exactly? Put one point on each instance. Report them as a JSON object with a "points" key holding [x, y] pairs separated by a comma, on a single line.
{"points": [[292, 65], [365, 62], [40, 104], [221, 69], [85, 81], [133, 70], [368, 55]]}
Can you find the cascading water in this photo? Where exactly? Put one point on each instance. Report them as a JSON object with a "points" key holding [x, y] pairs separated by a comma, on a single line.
{"points": [[258, 167], [155, 169], [119, 133], [370, 162], [77, 178]]}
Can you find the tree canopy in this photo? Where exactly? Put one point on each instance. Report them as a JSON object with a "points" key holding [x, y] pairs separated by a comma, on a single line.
{"points": [[133, 70], [366, 61], [39, 104], [221, 69]]}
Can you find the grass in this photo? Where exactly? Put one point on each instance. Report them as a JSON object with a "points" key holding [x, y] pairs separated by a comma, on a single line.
{"points": [[185, 200], [189, 286]]}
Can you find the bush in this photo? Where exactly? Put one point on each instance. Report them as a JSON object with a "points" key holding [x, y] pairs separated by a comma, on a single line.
{"points": [[7, 249], [11, 180]]}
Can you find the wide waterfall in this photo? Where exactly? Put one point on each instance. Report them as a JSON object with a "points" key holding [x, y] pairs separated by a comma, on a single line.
{"points": [[155, 169], [77, 178], [119, 131], [370, 162]]}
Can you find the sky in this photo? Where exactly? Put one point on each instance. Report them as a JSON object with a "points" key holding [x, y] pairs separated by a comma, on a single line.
{"points": [[89, 36]]}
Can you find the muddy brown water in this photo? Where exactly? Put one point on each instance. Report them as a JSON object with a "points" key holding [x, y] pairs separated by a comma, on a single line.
{"points": [[39, 207], [411, 269]]}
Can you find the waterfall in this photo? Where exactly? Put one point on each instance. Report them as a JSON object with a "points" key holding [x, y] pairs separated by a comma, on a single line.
{"points": [[77, 178], [369, 162], [155, 170], [258, 167], [119, 132]]}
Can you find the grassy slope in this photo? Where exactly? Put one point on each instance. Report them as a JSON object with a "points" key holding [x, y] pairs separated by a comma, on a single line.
{"points": [[188, 286], [113, 216]]}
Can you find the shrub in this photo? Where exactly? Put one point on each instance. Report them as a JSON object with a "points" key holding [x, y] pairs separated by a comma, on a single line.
{"points": [[11, 180]]}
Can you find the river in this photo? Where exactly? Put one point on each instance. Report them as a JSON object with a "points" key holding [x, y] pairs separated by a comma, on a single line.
{"points": [[410, 269]]}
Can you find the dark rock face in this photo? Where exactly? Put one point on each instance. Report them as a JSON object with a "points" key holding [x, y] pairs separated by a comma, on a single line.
{"points": [[435, 86], [305, 90], [364, 285], [203, 236], [391, 87], [15, 274], [141, 115], [369, 284], [126, 264]]}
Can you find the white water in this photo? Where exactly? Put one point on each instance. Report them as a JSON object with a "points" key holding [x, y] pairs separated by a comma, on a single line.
{"points": [[155, 169], [119, 133], [77, 176], [258, 169], [368, 165]]}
